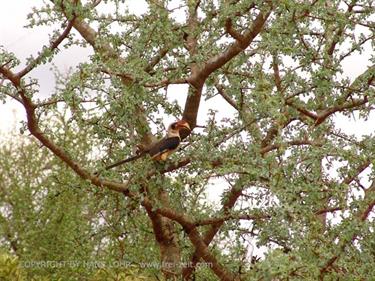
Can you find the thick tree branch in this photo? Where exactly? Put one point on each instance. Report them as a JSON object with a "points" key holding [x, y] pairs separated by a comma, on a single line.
{"points": [[232, 32], [164, 231], [320, 117], [340, 107], [199, 75], [196, 239], [234, 49], [302, 110]]}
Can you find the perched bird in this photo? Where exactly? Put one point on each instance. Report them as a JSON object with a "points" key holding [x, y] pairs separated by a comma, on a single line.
{"points": [[160, 150]]}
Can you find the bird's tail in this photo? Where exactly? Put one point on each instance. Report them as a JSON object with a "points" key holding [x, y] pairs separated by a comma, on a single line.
{"points": [[122, 162]]}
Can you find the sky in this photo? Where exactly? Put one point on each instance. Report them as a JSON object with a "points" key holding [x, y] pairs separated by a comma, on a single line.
{"points": [[25, 42]]}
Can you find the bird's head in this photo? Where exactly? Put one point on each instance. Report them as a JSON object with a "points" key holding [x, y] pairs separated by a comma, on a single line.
{"points": [[175, 127]]}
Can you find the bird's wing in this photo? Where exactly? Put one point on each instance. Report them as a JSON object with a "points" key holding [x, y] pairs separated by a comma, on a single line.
{"points": [[164, 145]]}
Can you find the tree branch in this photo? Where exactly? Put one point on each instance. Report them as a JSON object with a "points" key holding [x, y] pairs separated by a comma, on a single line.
{"points": [[361, 215], [228, 204], [210, 221], [108, 55], [199, 75], [221, 91], [43, 54], [196, 239], [33, 126]]}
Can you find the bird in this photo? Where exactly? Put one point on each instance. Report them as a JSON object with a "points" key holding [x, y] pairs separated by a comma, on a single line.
{"points": [[160, 150]]}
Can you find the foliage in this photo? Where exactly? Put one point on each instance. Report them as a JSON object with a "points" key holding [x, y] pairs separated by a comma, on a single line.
{"points": [[9, 268]]}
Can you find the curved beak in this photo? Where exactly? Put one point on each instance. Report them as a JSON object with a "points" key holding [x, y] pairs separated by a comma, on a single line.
{"points": [[184, 124]]}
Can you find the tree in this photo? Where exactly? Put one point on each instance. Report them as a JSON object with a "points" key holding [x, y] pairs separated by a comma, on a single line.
{"points": [[290, 181]]}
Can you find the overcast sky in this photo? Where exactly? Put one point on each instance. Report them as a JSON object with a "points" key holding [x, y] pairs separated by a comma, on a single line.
{"points": [[25, 42]]}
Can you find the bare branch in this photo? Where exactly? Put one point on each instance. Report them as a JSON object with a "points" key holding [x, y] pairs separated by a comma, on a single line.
{"points": [[210, 221], [155, 60], [290, 143], [221, 91]]}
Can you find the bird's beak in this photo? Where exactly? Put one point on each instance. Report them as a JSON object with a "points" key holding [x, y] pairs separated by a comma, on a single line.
{"points": [[184, 124]]}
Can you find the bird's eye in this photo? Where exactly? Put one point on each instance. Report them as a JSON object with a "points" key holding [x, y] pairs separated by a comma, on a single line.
{"points": [[174, 126]]}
